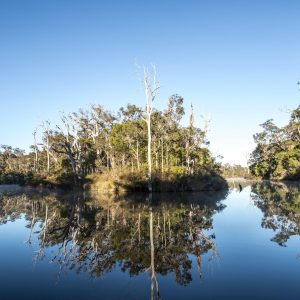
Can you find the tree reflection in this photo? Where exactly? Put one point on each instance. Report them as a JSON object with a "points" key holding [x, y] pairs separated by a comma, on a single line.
{"points": [[95, 234], [280, 204]]}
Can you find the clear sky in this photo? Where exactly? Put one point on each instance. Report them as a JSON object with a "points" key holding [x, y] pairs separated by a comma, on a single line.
{"points": [[238, 62]]}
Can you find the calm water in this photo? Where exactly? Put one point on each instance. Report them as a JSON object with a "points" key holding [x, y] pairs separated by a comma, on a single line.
{"points": [[236, 245]]}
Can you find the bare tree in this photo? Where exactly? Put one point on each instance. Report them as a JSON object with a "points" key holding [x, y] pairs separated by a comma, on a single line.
{"points": [[68, 143], [194, 137], [35, 151], [46, 142], [102, 122], [151, 86]]}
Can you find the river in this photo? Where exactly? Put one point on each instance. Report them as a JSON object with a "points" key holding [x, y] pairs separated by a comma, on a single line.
{"points": [[240, 244]]}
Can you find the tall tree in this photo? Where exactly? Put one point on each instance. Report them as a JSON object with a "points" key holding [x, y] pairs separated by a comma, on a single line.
{"points": [[277, 151], [151, 86]]}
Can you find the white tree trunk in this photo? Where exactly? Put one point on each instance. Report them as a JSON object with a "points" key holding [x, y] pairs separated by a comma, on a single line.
{"points": [[162, 156], [48, 156], [36, 152], [137, 155], [151, 91], [149, 154]]}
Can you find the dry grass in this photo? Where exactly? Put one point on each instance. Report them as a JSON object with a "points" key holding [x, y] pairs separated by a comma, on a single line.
{"points": [[124, 182]]}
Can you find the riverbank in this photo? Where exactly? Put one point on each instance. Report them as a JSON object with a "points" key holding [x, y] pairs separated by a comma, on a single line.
{"points": [[259, 179], [234, 182], [115, 183], [241, 179], [62, 181]]}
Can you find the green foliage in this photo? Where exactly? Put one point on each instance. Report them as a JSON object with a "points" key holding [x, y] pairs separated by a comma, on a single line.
{"points": [[231, 171], [97, 141], [277, 152]]}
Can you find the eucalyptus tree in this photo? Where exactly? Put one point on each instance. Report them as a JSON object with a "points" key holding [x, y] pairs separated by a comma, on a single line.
{"points": [[67, 141], [35, 147], [293, 127], [151, 86], [46, 142], [277, 151], [102, 122], [173, 116], [6, 153], [130, 113], [158, 132], [193, 138], [14, 160], [135, 134], [97, 140]]}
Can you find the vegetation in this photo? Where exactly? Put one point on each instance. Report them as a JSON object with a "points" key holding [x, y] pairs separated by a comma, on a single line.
{"points": [[144, 149], [233, 171], [277, 152]]}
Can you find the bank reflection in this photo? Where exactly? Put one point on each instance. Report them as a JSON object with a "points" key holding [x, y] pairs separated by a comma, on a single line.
{"points": [[95, 234]]}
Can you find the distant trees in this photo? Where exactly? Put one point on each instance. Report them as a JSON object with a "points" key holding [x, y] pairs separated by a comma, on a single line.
{"points": [[277, 152], [234, 171], [13, 162]]}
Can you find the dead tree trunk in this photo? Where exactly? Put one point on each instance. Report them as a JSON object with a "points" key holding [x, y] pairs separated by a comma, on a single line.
{"points": [[151, 90], [35, 152], [137, 155]]}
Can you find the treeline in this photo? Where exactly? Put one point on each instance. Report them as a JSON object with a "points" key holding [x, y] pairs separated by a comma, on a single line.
{"points": [[96, 140], [277, 152], [231, 171]]}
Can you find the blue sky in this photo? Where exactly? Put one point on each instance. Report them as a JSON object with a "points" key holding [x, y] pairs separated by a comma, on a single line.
{"points": [[238, 62]]}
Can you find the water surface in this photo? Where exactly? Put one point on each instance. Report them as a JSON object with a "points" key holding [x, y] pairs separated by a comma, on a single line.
{"points": [[238, 245]]}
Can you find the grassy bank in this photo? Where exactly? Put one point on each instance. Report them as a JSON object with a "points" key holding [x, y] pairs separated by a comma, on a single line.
{"points": [[112, 182], [38, 180], [121, 182]]}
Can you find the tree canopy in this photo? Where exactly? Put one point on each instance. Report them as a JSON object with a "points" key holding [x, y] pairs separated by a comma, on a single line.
{"points": [[277, 152], [96, 140]]}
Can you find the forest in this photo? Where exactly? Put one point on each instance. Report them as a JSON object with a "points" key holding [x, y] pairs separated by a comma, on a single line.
{"points": [[144, 149], [277, 152], [133, 149]]}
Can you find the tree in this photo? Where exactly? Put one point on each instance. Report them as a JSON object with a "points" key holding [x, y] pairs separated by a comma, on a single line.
{"points": [[46, 142], [36, 161], [277, 152], [151, 86], [194, 137], [145, 144]]}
